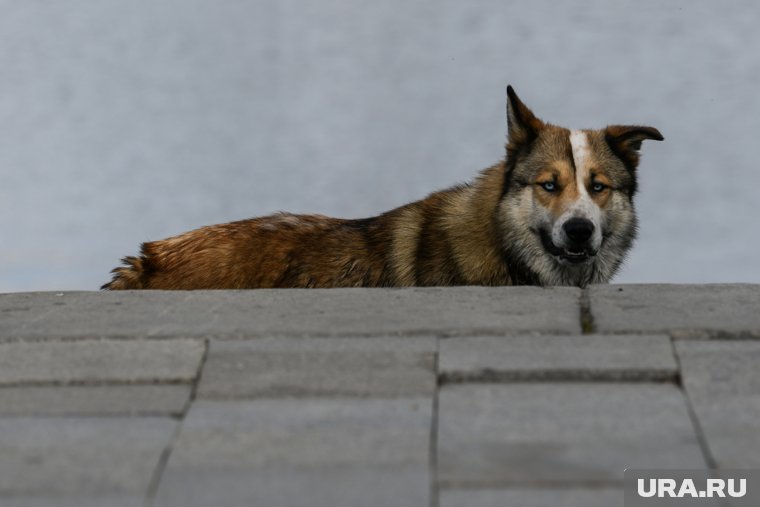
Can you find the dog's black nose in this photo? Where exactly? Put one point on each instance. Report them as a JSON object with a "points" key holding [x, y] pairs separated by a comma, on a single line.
{"points": [[578, 230]]}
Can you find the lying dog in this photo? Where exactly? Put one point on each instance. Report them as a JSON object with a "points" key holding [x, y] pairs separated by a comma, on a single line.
{"points": [[557, 211]]}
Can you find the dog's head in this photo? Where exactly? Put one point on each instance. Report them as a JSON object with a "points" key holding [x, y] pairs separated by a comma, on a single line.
{"points": [[567, 208]]}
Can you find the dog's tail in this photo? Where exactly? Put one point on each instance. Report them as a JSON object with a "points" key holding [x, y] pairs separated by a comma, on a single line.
{"points": [[132, 275]]}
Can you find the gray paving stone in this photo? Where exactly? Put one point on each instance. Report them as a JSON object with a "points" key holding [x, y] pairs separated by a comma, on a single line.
{"points": [[318, 432], [722, 380], [604, 497], [94, 400], [497, 434], [301, 452], [329, 486], [275, 367], [85, 314], [77, 456], [698, 310], [100, 361], [720, 367], [432, 310], [303, 312], [587, 357]]}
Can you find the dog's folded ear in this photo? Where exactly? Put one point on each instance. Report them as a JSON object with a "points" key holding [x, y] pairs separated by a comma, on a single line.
{"points": [[630, 136], [625, 141], [522, 125]]}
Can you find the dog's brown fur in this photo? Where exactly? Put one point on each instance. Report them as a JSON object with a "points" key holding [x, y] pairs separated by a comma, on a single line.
{"points": [[449, 238], [459, 236]]}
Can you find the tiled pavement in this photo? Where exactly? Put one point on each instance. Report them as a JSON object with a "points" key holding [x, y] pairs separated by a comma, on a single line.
{"points": [[471, 397]]}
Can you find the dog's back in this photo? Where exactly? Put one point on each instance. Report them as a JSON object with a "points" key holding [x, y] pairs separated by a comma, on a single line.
{"points": [[281, 250]]}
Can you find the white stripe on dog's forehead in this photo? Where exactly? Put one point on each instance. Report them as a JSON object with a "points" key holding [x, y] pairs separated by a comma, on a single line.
{"points": [[581, 150], [581, 157]]}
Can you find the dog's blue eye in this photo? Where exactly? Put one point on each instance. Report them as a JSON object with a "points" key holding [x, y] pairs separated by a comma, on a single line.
{"points": [[597, 187], [549, 186]]}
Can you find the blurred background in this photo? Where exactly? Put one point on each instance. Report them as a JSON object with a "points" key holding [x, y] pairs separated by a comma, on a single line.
{"points": [[123, 122]]}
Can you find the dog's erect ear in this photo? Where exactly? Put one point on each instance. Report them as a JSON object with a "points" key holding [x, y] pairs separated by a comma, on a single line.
{"points": [[522, 125], [625, 141]]}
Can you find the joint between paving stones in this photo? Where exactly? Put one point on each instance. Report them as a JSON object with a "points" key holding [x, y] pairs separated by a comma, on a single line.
{"points": [[163, 460], [576, 376], [198, 374], [169, 381], [586, 317], [433, 466], [698, 430]]}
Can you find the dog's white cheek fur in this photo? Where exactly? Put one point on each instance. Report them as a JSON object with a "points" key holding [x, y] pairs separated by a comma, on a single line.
{"points": [[620, 225], [521, 216]]}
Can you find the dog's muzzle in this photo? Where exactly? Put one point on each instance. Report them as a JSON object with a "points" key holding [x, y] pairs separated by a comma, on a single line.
{"points": [[577, 249]]}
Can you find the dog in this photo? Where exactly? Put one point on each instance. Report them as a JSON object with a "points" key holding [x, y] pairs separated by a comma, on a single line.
{"points": [[558, 210]]}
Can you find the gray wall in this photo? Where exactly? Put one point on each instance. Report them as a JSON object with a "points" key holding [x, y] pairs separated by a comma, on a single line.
{"points": [[125, 121]]}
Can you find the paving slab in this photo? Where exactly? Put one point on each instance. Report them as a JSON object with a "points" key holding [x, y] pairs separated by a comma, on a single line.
{"points": [[85, 313], [567, 358], [102, 400], [328, 448], [77, 456], [490, 434], [175, 360], [318, 432], [329, 486], [603, 497], [683, 310], [722, 380], [331, 367], [302, 312]]}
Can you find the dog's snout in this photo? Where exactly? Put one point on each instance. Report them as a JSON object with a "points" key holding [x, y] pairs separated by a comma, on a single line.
{"points": [[578, 230]]}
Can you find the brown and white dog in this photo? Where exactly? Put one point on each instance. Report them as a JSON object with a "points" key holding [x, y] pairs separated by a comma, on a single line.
{"points": [[557, 211]]}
